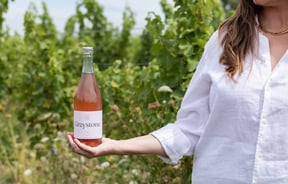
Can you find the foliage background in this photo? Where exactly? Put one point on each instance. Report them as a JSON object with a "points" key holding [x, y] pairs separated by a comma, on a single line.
{"points": [[142, 79]]}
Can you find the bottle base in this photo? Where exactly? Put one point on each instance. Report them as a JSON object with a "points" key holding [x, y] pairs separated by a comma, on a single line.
{"points": [[91, 142]]}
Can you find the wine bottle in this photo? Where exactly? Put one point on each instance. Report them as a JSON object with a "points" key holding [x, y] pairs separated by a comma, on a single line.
{"points": [[88, 104]]}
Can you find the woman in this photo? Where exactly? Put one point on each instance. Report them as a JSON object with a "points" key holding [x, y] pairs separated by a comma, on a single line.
{"points": [[234, 115]]}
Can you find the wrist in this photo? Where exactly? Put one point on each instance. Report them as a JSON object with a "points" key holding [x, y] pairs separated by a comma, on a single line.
{"points": [[118, 147]]}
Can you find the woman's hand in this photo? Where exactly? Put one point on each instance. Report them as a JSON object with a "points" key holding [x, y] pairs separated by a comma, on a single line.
{"points": [[146, 144], [107, 147]]}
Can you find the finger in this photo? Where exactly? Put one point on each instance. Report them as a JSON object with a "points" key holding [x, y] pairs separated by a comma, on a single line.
{"points": [[90, 150], [70, 139], [72, 143], [75, 148], [79, 151], [104, 139]]}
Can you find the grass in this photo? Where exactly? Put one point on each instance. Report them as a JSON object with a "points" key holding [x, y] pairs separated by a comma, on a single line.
{"points": [[49, 160]]}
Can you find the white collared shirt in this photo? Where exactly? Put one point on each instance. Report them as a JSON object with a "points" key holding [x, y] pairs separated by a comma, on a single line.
{"points": [[237, 132]]}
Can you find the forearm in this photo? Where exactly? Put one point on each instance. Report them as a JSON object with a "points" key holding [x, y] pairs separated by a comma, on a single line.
{"points": [[147, 144]]}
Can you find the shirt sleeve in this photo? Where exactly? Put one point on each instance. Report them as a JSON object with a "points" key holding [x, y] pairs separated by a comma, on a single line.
{"points": [[179, 138]]}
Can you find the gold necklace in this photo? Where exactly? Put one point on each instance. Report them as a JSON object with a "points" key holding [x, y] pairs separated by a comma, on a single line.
{"points": [[273, 33]]}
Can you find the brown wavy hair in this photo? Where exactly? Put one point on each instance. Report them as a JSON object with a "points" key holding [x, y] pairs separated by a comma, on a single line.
{"points": [[238, 37]]}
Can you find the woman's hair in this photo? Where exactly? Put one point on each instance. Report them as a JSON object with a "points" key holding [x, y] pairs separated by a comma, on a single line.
{"points": [[238, 37]]}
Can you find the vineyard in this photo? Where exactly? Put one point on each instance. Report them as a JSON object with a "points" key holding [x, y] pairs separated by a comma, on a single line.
{"points": [[142, 79]]}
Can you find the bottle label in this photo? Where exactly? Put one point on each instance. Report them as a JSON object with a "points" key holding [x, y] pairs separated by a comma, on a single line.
{"points": [[88, 124]]}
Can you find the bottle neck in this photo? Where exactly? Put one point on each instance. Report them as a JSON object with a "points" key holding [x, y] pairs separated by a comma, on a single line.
{"points": [[87, 66]]}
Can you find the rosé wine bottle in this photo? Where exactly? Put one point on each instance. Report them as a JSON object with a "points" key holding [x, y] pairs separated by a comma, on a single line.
{"points": [[88, 104]]}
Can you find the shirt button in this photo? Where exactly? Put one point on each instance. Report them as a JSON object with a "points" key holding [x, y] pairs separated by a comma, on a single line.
{"points": [[264, 121]]}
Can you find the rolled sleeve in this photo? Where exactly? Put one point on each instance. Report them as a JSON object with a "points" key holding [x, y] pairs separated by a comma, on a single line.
{"points": [[174, 142]]}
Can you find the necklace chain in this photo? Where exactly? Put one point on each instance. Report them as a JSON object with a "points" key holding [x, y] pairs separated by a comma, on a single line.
{"points": [[273, 33]]}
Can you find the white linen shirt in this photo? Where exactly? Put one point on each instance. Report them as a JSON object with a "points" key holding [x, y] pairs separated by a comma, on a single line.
{"points": [[236, 131]]}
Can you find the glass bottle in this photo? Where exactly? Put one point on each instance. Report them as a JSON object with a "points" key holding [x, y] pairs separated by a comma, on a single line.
{"points": [[88, 104]]}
